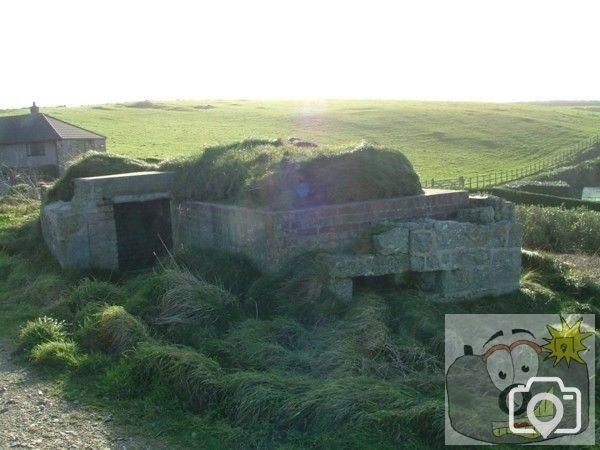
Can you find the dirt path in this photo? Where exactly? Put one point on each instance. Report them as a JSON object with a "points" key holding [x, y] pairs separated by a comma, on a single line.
{"points": [[32, 417]]}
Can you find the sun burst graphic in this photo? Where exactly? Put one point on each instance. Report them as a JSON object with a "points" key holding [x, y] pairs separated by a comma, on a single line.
{"points": [[566, 343]]}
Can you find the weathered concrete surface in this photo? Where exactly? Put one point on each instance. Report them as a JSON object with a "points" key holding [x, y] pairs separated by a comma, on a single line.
{"points": [[81, 234], [271, 239], [451, 245]]}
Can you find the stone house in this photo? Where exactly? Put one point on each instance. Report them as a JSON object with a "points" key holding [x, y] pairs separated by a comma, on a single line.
{"points": [[37, 140]]}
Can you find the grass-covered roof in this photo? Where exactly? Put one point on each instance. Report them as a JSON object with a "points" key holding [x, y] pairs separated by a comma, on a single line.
{"points": [[268, 174]]}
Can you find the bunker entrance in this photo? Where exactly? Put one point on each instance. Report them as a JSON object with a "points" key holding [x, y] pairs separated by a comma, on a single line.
{"points": [[143, 232]]}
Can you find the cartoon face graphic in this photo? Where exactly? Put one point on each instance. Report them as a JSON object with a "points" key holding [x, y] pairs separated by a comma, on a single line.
{"points": [[541, 377]]}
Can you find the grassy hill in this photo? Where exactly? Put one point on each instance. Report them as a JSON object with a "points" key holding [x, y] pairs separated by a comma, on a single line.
{"points": [[441, 139]]}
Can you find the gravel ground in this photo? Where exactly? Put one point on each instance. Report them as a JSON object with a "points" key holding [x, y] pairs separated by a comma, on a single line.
{"points": [[32, 417]]}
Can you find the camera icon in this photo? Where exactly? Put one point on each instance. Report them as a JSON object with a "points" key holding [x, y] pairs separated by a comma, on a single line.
{"points": [[571, 396]]}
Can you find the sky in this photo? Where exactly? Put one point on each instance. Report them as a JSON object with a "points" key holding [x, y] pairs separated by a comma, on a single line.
{"points": [[64, 52]]}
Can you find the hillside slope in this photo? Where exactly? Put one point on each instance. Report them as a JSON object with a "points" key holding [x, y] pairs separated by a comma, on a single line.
{"points": [[441, 139]]}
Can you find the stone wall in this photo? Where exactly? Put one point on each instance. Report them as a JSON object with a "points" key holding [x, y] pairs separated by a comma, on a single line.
{"points": [[272, 238], [68, 149], [18, 155], [444, 242]]}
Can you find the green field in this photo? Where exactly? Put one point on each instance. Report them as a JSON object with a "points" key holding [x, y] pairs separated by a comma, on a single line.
{"points": [[441, 139]]}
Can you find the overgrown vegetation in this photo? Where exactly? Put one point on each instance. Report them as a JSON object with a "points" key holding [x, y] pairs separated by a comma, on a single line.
{"points": [[93, 164], [266, 173], [209, 353], [559, 229]]}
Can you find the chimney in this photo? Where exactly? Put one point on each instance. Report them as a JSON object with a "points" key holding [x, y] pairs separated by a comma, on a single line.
{"points": [[34, 109]]}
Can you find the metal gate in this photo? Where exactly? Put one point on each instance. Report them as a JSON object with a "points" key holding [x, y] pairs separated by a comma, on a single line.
{"points": [[143, 232]]}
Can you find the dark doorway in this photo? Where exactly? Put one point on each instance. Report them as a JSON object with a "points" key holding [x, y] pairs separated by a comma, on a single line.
{"points": [[143, 232]]}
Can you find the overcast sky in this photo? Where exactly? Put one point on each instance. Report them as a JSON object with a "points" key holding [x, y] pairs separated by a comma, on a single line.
{"points": [[82, 52]]}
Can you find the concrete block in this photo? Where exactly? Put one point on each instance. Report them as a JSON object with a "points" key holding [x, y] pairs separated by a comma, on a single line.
{"points": [[392, 241], [484, 214], [421, 242]]}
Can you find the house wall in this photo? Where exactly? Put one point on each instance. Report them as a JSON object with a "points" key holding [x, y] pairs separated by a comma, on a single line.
{"points": [[17, 155], [56, 153], [70, 148]]}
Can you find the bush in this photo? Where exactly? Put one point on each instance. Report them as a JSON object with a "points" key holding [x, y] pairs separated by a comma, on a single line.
{"points": [[112, 330], [559, 229], [55, 354], [43, 329], [189, 299], [194, 375]]}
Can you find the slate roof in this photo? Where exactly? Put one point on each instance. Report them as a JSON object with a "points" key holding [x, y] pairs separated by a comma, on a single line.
{"points": [[39, 127]]}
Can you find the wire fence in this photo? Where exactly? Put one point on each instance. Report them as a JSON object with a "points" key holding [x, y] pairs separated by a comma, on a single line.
{"points": [[478, 181]]}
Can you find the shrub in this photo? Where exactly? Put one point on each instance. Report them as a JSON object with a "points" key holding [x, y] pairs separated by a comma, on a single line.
{"points": [[560, 230], [189, 299], [43, 329], [191, 373], [111, 329], [55, 354]]}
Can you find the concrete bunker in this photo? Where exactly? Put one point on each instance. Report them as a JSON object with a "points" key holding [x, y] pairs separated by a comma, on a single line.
{"points": [[453, 245], [115, 222]]}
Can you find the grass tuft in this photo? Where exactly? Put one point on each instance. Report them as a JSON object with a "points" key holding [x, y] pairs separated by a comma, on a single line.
{"points": [[111, 329], [89, 292], [189, 299], [191, 373], [43, 329], [58, 354]]}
